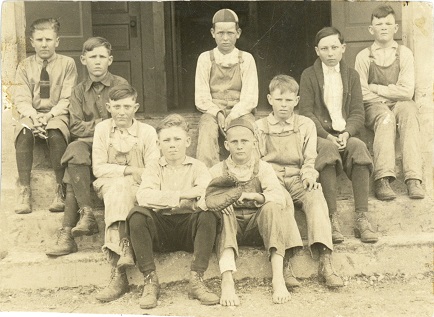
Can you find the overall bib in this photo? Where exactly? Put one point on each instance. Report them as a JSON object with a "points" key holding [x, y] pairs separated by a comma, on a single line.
{"points": [[284, 153]]}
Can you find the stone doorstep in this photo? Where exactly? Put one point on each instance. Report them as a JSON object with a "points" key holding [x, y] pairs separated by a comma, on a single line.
{"points": [[391, 255]]}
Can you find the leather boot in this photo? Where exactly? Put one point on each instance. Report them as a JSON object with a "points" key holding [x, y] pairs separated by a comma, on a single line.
{"points": [[198, 290], [383, 191], [117, 286], [326, 273], [363, 229], [87, 224], [65, 243], [151, 291], [58, 204], [414, 188], [288, 274], [337, 236], [127, 254], [23, 205]]}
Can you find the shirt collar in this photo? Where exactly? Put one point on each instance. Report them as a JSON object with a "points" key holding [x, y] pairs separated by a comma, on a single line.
{"points": [[106, 81], [273, 121], [40, 60], [131, 130], [187, 161], [220, 55], [232, 164], [376, 47], [327, 69]]}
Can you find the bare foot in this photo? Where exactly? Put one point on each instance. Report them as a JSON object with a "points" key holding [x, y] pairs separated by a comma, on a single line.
{"points": [[280, 292], [228, 296]]}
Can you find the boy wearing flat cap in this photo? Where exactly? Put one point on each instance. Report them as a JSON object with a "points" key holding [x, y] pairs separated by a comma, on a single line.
{"points": [[257, 216], [226, 86]]}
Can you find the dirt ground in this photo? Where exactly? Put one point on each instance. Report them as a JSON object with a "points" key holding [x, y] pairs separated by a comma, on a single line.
{"points": [[379, 295]]}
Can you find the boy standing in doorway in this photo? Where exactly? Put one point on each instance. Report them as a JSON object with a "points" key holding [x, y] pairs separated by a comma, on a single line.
{"points": [[387, 77], [226, 86]]}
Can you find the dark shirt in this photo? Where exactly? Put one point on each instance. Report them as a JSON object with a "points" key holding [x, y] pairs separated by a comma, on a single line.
{"points": [[87, 105]]}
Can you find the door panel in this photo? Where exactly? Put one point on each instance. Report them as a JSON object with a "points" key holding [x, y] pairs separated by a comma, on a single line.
{"points": [[75, 25], [353, 19], [119, 23]]}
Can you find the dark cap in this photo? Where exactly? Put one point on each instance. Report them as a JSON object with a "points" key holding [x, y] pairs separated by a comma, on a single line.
{"points": [[238, 122], [225, 15]]}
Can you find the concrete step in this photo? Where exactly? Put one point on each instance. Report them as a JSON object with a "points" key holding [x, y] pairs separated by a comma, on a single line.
{"points": [[404, 254]]}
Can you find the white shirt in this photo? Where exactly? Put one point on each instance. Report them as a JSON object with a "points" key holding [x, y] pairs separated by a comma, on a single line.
{"points": [[333, 94]]}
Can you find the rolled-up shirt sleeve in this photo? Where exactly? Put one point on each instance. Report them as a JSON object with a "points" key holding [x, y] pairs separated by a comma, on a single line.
{"points": [[271, 188]]}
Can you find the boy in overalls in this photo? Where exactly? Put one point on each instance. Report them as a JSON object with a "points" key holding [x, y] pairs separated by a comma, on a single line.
{"points": [[122, 147], [288, 142], [226, 87], [87, 108], [258, 217], [331, 96], [43, 85], [387, 77]]}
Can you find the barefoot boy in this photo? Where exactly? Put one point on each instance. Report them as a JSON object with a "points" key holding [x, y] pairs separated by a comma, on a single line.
{"points": [[387, 76], [331, 96], [226, 86], [122, 147], [43, 85], [87, 108], [258, 217], [172, 215]]}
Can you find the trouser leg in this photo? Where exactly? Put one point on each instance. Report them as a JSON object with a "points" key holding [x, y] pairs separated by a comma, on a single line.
{"points": [[204, 239], [70, 216], [80, 181], [360, 180], [57, 146], [328, 180], [207, 142], [24, 155]]}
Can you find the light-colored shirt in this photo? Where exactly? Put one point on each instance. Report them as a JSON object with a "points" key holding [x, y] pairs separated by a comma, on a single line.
{"points": [[63, 75], [122, 141], [404, 87], [308, 140], [333, 92], [162, 184], [271, 188], [249, 78]]}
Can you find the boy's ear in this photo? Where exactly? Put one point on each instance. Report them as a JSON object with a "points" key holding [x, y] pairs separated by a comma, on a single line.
{"points": [[107, 106], [269, 99], [212, 32], [187, 142], [83, 60], [344, 46], [226, 144], [396, 28], [316, 50], [31, 41], [239, 33], [110, 60], [57, 41], [371, 29], [297, 100], [136, 107]]}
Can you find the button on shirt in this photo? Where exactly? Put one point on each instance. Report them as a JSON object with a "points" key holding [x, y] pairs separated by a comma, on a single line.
{"points": [[333, 93]]}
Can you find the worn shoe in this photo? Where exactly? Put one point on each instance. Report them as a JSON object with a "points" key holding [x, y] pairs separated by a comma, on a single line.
{"points": [[383, 191], [151, 291], [87, 224], [415, 190], [23, 205], [364, 231], [58, 204], [326, 272], [117, 286], [337, 236], [65, 243], [127, 254], [289, 276], [198, 290]]}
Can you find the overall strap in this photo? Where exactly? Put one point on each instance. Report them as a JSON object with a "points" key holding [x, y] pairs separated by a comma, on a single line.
{"points": [[265, 125], [240, 56], [296, 124], [211, 56]]}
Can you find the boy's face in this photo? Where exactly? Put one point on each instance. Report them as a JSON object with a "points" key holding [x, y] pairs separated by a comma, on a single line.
{"points": [[44, 42], [383, 29], [330, 50], [97, 62], [123, 111], [240, 143], [283, 103], [225, 35], [173, 143]]}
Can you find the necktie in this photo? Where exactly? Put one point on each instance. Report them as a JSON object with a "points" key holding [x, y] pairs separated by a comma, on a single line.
{"points": [[44, 89], [98, 86]]}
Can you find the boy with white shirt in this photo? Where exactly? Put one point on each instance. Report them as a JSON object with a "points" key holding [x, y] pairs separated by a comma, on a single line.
{"points": [[226, 86], [331, 96], [386, 72]]}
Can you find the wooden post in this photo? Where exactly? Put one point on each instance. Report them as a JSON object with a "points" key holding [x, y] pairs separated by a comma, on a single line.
{"points": [[417, 34]]}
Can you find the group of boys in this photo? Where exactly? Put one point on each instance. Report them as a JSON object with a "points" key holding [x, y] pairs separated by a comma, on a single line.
{"points": [[163, 203]]}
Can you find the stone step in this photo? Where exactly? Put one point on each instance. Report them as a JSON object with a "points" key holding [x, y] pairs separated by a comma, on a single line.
{"points": [[403, 254]]}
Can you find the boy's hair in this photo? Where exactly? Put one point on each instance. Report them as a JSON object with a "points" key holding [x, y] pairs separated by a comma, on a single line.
{"points": [[172, 120], [45, 24], [327, 31], [284, 83], [94, 42], [225, 15], [122, 91], [382, 11]]}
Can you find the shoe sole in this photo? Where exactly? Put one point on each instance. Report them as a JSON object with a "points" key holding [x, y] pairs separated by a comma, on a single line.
{"points": [[23, 212], [110, 299], [79, 233], [386, 198], [60, 253], [337, 241], [148, 306], [208, 303], [416, 197], [125, 265]]}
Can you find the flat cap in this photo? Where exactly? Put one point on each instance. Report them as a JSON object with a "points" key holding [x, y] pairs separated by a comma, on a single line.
{"points": [[239, 122], [225, 15]]}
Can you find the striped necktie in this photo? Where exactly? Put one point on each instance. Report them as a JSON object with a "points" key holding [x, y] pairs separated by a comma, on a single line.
{"points": [[44, 89]]}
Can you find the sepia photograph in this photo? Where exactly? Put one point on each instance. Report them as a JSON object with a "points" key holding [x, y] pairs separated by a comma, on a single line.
{"points": [[217, 158]]}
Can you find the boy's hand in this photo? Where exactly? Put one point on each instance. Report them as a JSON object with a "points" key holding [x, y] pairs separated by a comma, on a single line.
{"points": [[228, 210], [343, 139], [310, 183], [188, 195], [43, 118], [228, 120], [246, 196], [334, 140], [221, 121], [136, 172]]}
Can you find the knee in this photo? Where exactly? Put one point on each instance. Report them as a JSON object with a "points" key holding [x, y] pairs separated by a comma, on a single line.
{"points": [[55, 136], [270, 209], [25, 140], [137, 221], [407, 109], [207, 124], [207, 218], [327, 147], [385, 119], [356, 144]]}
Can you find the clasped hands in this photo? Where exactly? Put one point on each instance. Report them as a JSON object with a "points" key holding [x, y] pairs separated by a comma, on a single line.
{"points": [[340, 141], [40, 122], [245, 196]]}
